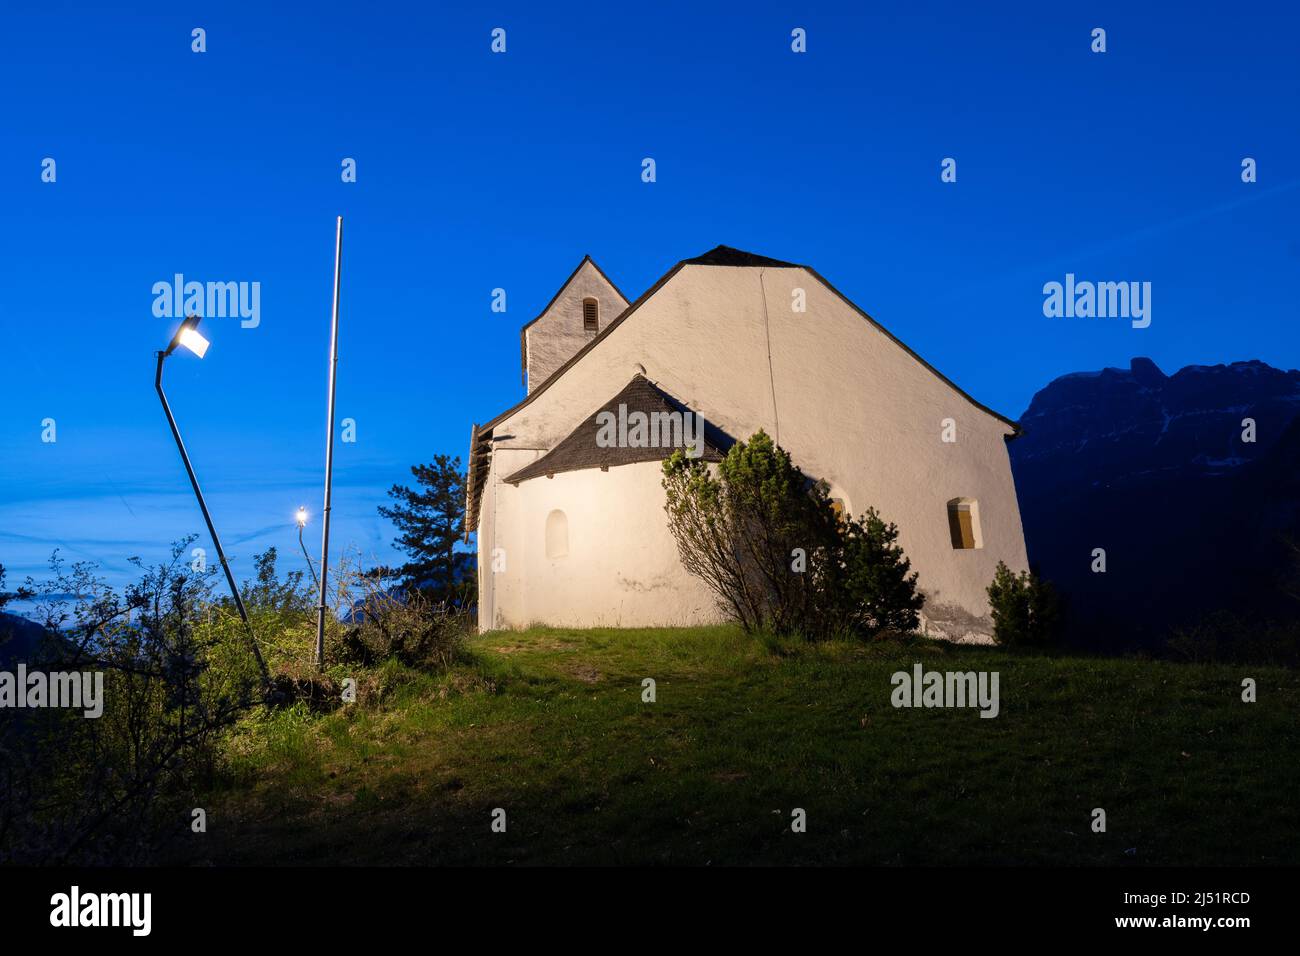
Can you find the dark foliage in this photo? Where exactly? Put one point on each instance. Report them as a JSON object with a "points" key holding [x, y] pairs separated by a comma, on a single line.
{"points": [[768, 542], [412, 628], [430, 520], [1026, 610], [176, 673]]}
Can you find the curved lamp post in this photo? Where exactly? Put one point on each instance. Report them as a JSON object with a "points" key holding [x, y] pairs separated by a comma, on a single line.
{"points": [[301, 518], [188, 336]]}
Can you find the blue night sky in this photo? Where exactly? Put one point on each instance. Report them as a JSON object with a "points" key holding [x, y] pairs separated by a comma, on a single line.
{"points": [[478, 171]]}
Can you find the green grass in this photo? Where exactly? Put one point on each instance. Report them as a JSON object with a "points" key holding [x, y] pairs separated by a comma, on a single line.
{"points": [[550, 726]]}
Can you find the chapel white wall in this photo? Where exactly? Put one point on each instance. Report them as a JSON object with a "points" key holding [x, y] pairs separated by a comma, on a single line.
{"points": [[621, 568], [850, 405]]}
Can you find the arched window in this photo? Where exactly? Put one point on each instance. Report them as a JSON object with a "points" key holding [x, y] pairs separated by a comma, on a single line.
{"points": [[964, 523], [557, 535], [590, 315]]}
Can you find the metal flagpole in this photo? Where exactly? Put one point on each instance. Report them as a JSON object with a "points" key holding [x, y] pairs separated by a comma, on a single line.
{"points": [[329, 450]]}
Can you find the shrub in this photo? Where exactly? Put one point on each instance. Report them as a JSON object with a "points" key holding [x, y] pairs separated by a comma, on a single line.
{"points": [[1025, 609], [767, 541], [281, 612], [409, 627], [177, 676], [1237, 637], [878, 594], [110, 790]]}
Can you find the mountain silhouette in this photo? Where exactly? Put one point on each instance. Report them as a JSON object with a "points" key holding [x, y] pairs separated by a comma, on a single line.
{"points": [[1161, 472]]}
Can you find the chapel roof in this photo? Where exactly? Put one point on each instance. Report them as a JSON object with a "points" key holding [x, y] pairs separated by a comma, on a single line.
{"points": [[581, 449], [727, 256], [481, 436]]}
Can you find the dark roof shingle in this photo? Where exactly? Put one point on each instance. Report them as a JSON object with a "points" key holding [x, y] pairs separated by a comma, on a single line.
{"points": [[581, 450], [727, 256]]}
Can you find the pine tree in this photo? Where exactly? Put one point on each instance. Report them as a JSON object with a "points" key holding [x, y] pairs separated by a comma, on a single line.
{"points": [[777, 553], [430, 519], [1025, 609]]}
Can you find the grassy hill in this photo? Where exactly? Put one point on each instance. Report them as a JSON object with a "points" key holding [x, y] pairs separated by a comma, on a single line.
{"points": [[550, 726]]}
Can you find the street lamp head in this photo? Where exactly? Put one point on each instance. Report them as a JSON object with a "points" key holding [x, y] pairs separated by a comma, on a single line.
{"points": [[301, 517], [196, 343], [188, 336]]}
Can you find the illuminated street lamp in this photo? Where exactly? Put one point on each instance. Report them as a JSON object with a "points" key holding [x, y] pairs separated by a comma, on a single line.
{"points": [[188, 336], [301, 518]]}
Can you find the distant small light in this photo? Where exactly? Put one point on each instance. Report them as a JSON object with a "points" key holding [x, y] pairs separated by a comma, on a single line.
{"points": [[192, 340], [302, 517]]}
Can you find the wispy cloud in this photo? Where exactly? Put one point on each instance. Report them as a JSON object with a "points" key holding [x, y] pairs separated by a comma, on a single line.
{"points": [[1145, 234]]}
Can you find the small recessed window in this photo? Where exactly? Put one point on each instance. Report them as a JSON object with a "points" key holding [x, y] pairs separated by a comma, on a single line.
{"points": [[590, 315], [838, 501], [557, 534], [964, 523]]}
